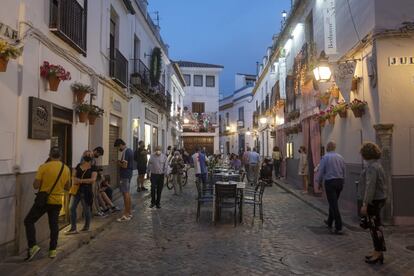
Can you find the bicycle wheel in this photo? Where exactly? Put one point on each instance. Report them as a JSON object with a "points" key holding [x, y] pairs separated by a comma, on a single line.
{"points": [[184, 178], [169, 182]]}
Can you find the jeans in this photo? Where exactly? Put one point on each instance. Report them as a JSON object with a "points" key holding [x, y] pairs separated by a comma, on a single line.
{"points": [[253, 174], [276, 164], [157, 183], [177, 182], [74, 201], [374, 211], [34, 215], [202, 177], [333, 189]]}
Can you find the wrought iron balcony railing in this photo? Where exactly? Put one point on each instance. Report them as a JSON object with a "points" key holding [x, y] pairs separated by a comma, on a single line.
{"points": [[118, 69]]}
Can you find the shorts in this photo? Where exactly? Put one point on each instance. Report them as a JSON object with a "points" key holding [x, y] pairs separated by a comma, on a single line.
{"points": [[124, 185], [142, 170]]}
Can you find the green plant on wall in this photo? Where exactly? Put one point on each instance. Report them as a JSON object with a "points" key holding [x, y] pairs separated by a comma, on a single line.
{"points": [[155, 67]]}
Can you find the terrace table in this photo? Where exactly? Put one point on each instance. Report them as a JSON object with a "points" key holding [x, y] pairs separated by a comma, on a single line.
{"points": [[240, 188]]}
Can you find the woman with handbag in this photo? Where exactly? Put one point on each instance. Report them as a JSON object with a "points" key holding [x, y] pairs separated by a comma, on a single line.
{"points": [[84, 176], [372, 194]]}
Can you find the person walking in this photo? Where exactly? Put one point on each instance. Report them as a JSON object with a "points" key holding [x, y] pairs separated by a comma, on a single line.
{"points": [[157, 169], [254, 165], [125, 173], [84, 176], [141, 157], [372, 192], [277, 160], [177, 166], [303, 168], [245, 160], [52, 178], [200, 166], [332, 173]]}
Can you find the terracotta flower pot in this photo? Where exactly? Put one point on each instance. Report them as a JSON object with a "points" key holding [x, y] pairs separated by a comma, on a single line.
{"points": [[92, 119], [358, 113], [83, 117], [3, 64], [354, 86], [332, 119], [53, 83], [80, 96], [335, 92], [343, 113]]}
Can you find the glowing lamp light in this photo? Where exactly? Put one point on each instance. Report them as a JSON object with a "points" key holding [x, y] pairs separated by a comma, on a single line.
{"points": [[284, 14], [263, 120], [186, 121], [322, 72], [227, 128], [248, 133]]}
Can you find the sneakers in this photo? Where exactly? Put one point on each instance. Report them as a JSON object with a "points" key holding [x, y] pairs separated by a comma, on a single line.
{"points": [[158, 206], [71, 232], [52, 254], [152, 205], [124, 218], [101, 214], [115, 209], [31, 252], [85, 229]]}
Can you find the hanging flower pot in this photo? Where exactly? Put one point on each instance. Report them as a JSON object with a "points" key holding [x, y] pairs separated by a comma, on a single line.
{"points": [[94, 113], [341, 108], [7, 52], [334, 91], [83, 111], [53, 83], [92, 118], [355, 82], [83, 117], [54, 74], [343, 113], [81, 90], [358, 107], [358, 113], [3, 64]]}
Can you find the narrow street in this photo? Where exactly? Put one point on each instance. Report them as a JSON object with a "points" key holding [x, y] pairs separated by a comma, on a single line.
{"points": [[291, 241]]}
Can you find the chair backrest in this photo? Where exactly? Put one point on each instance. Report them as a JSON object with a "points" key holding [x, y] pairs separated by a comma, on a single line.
{"points": [[242, 175], [226, 190], [234, 177], [199, 190], [261, 187]]}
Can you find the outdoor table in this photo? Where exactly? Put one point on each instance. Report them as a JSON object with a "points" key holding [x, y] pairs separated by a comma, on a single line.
{"points": [[240, 188]]}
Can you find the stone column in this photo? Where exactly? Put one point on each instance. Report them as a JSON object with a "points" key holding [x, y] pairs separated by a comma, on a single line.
{"points": [[384, 141]]}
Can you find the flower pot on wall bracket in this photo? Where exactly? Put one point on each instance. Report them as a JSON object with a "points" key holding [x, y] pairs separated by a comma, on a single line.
{"points": [[53, 83], [343, 113], [83, 117], [358, 113], [92, 119], [3, 64], [80, 96]]}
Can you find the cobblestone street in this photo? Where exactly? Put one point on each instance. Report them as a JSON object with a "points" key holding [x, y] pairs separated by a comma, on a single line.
{"points": [[291, 241]]}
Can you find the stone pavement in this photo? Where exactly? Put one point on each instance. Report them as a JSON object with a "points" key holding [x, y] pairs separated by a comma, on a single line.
{"points": [[291, 241]]}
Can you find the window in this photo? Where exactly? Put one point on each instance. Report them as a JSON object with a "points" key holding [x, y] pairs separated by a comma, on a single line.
{"points": [[197, 107], [198, 80], [309, 28], [187, 79], [249, 82], [227, 119], [241, 113], [137, 48], [210, 81], [67, 19]]}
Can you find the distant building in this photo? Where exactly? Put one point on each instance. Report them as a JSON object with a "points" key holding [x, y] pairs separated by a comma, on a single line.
{"points": [[201, 105], [235, 117]]}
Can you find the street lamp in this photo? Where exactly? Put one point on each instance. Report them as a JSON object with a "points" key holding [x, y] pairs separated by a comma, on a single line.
{"points": [[248, 133], [186, 121], [284, 14], [322, 72], [227, 128], [263, 120]]}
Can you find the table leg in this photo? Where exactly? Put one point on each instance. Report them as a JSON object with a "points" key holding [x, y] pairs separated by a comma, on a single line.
{"points": [[213, 217], [241, 206]]}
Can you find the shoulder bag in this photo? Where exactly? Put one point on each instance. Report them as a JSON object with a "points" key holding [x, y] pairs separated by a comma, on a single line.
{"points": [[42, 197]]}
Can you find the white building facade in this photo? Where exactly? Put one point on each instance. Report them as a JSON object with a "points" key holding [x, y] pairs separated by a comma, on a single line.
{"points": [[201, 106], [101, 48], [236, 117], [370, 61]]}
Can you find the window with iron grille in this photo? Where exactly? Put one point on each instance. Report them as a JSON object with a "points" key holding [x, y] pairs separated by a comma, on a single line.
{"points": [[210, 81], [241, 113], [187, 79], [197, 107], [67, 19], [198, 80]]}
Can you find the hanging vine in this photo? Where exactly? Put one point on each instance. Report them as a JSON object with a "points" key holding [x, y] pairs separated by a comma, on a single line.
{"points": [[155, 67]]}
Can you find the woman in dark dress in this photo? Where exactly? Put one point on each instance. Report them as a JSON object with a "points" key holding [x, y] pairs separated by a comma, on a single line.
{"points": [[84, 176], [141, 157]]}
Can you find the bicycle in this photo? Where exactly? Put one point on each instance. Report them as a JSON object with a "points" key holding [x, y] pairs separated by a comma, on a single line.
{"points": [[184, 179]]}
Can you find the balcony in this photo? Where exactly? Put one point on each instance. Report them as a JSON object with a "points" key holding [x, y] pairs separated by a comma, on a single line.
{"points": [[200, 123], [141, 84], [118, 69], [67, 20]]}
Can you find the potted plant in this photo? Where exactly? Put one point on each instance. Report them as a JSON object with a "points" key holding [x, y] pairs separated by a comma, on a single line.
{"points": [[324, 98], [8, 51], [358, 107], [331, 114], [94, 113], [54, 74], [80, 90], [83, 110], [342, 109]]}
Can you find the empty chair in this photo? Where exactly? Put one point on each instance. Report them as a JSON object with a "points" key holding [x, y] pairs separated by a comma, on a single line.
{"points": [[203, 196], [255, 198], [226, 197]]}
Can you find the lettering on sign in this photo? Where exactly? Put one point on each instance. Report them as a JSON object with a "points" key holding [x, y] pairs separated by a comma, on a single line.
{"points": [[329, 16], [396, 61], [151, 116], [40, 119], [7, 31]]}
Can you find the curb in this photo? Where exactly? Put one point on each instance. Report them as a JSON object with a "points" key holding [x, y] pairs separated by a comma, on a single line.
{"points": [[284, 186]]}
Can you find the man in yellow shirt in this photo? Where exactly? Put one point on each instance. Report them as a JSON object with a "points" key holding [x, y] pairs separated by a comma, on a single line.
{"points": [[49, 173]]}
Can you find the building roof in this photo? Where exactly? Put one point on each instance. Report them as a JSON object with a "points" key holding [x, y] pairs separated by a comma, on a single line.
{"points": [[247, 75], [183, 63]]}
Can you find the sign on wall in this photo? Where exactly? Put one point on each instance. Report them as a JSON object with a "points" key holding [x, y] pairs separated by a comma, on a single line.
{"points": [[151, 116], [329, 18], [344, 74], [40, 119]]}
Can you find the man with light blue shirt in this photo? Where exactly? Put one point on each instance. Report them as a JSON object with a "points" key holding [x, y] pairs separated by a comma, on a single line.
{"points": [[253, 159], [332, 172]]}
